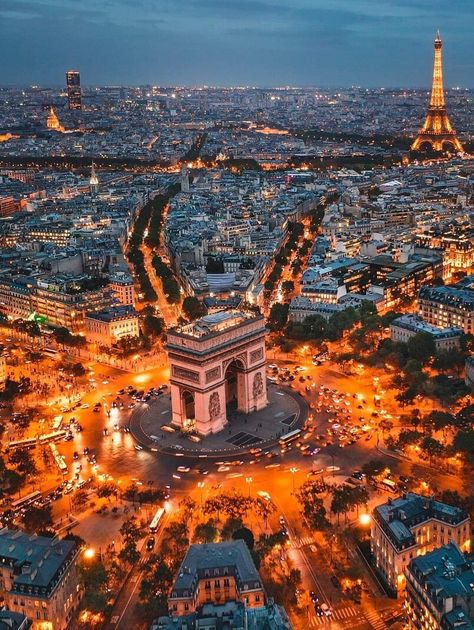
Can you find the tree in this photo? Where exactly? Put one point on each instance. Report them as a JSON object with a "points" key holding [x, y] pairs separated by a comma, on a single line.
{"points": [[153, 326], [278, 316], [129, 530], [107, 489], [287, 286], [188, 506], [95, 579], [37, 518], [193, 308], [129, 553], [24, 462], [373, 468], [245, 534], [421, 347], [312, 505], [464, 443], [206, 532]]}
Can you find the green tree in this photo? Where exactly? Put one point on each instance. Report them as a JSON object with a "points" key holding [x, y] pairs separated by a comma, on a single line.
{"points": [[421, 347], [193, 308], [278, 316], [206, 532], [312, 505], [245, 534], [37, 518]]}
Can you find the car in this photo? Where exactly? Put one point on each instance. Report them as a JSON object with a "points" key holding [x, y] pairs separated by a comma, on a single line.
{"points": [[264, 495], [223, 468], [150, 543], [404, 479], [318, 610], [85, 406], [314, 597], [183, 469], [358, 474], [75, 455], [326, 610], [86, 450]]}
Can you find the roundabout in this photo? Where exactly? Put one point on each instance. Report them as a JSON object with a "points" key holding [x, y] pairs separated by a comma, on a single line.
{"points": [[150, 426]]}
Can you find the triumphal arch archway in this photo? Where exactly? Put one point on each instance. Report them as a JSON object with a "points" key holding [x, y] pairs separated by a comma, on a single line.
{"points": [[217, 363]]}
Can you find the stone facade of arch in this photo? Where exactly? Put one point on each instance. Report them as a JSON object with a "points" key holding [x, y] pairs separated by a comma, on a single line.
{"points": [[199, 364]]}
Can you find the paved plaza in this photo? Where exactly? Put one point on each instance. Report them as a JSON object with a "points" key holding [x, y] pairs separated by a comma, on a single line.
{"points": [[286, 411]]}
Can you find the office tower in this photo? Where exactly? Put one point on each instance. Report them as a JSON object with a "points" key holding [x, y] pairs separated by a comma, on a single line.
{"points": [[73, 82]]}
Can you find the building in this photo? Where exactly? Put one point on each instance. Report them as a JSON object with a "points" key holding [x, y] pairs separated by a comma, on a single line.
{"points": [[410, 526], [109, 326], [16, 296], [39, 578], [65, 299], [3, 371], [10, 620], [407, 326], [73, 84], [93, 181], [303, 307], [216, 573], [448, 306], [122, 285], [215, 362], [229, 616], [53, 121], [440, 590], [437, 131], [8, 206], [469, 372]]}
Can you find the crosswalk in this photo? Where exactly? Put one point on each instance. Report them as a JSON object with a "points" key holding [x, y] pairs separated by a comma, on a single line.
{"points": [[338, 614], [374, 620]]}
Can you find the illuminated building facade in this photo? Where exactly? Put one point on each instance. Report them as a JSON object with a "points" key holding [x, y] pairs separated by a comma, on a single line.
{"points": [[437, 131], [448, 306], [410, 526], [122, 285], [53, 121], [8, 206], [39, 578], [440, 590], [217, 362], [73, 83], [109, 326], [216, 573]]}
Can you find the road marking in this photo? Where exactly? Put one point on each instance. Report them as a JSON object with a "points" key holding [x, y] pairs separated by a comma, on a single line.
{"points": [[114, 619]]}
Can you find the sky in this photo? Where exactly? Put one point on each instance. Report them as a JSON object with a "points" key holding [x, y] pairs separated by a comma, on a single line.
{"points": [[235, 42]]}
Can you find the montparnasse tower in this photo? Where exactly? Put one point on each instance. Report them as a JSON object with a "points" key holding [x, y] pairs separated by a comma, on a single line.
{"points": [[437, 131]]}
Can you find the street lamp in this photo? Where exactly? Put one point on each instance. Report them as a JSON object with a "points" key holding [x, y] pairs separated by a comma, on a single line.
{"points": [[364, 519], [293, 470], [89, 553], [248, 481], [200, 485]]}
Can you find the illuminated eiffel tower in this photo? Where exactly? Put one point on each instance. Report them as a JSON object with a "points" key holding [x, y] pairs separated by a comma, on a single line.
{"points": [[437, 130]]}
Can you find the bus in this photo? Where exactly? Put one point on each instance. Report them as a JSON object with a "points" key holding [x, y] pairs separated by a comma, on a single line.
{"points": [[389, 485], [156, 520], [290, 437], [27, 443], [50, 351], [53, 437], [28, 499]]}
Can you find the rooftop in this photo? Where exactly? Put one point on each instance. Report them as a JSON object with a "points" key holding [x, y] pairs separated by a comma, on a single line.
{"points": [[215, 323], [397, 516], [37, 558], [215, 559]]}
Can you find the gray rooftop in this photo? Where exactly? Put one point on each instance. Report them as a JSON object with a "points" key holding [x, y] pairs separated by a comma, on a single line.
{"points": [[37, 559], [213, 560]]}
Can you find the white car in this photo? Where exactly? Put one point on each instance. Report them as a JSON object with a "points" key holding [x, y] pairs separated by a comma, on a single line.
{"points": [[183, 469], [264, 495], [326, 610]]}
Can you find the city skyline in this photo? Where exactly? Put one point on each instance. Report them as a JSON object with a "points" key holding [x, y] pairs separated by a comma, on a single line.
{"points": [[259, 43]]}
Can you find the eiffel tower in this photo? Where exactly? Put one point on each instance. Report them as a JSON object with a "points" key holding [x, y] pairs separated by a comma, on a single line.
{"points": [[437, 130]]}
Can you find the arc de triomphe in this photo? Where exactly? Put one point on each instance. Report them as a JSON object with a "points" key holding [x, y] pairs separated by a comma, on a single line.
{"points": [[215, 362]]}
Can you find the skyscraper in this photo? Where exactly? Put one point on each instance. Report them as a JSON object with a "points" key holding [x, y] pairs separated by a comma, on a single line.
{"points": [[73, 82], [437, 131]]}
